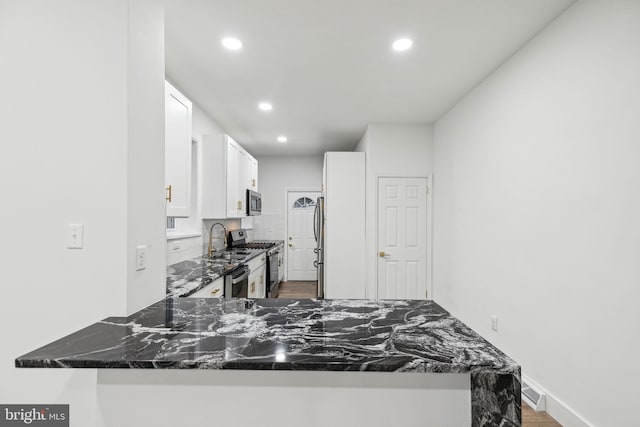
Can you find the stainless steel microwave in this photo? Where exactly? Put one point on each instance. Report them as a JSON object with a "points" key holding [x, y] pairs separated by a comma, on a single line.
{"points": [[254, 203]]}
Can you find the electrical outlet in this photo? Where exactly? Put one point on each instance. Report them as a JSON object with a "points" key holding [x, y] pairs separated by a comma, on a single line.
{"points": [[141, 257], [75, 239], [494, 322]]}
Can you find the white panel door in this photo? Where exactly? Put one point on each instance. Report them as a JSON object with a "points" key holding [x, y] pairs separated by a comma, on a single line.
{"points": [[402, 238], [300, 240]]}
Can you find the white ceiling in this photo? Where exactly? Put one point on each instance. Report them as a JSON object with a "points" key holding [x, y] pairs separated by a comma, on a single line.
{"points": [[327, 65]]}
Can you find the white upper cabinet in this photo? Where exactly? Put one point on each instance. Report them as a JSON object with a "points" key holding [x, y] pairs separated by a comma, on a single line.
{"points": [[227, 173], [233, 200], [178, 112], [254, 175], [243, 172]]}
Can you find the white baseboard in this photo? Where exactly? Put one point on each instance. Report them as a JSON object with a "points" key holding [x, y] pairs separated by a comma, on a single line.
{"points": [[558, 409]]}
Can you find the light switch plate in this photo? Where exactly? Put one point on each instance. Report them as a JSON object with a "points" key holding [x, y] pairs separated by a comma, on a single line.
{"points": [[75, 238], [494, 322], [141, 257]]}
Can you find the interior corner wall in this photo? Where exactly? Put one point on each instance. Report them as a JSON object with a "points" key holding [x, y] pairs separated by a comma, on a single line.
{"points": [[146, 219], [390, 150], [536, 204], [66, 149]]}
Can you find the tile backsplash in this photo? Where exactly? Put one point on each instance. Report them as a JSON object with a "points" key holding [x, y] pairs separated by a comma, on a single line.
{"points": [[270, 227], [182, 249]]}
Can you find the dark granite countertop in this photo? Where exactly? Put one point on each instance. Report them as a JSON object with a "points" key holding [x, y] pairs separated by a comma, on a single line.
{"points": [[286, 334], [277, 334], [186, 277]]}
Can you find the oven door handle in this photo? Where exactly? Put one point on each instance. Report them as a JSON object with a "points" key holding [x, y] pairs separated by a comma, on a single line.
{"points": [[241, 278]]}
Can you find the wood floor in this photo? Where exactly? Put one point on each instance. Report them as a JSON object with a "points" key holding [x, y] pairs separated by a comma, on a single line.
{"points": [[298, 289], [530, 418]]}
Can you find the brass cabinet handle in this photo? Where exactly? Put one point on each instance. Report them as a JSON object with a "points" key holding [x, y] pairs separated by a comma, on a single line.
{"points": [[169, 191], [253, 287], [383, 254], [215, 291], [239, 205], [253, 182]]}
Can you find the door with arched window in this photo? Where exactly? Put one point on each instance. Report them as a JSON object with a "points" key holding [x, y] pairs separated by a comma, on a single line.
{"points": [[300, 242]]}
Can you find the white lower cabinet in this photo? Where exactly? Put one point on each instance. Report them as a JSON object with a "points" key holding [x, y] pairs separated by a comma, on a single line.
{"points": [[257, 283], [257, 277], [214, 289], [280, 266]]}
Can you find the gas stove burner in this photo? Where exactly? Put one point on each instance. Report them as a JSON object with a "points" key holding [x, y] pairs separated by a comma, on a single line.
{"points": [[258, 245]]}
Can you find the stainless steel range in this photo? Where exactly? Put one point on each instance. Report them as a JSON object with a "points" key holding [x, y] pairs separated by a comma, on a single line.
{"points": [[275, 251]]}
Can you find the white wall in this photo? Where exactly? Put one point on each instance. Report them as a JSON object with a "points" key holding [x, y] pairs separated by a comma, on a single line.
{"points": [[391, 150], [146, 221], [66, 137], [536, 210], [275, 176]]}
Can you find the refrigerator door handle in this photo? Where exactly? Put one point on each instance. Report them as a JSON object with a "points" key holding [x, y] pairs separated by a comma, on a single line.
{"points": [[315, 222]]}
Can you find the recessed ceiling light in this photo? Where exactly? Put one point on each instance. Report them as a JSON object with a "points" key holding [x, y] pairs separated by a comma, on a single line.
{"points": [[231, 43], [265, 106], [401, 45], [282, 138]]}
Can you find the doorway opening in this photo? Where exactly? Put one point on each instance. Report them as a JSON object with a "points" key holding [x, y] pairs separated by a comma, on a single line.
{"points": [[301, 273]]}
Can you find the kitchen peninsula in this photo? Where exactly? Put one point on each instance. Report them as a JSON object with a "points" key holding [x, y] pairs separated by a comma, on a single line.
{"points": [[393, 338]]}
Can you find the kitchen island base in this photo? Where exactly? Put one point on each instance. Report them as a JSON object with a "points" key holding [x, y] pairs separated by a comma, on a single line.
{"points": [[128, 398]]}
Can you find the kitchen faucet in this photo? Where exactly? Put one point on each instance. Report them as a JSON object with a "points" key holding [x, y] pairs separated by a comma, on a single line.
{"points": [[212, 249]]}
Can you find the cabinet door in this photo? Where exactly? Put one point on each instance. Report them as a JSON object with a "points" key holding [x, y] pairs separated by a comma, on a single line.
{"points": [[244, 172], [254, 174], [253, 285], [280, 266], [262, 283], [232, 179], [178, 111]]}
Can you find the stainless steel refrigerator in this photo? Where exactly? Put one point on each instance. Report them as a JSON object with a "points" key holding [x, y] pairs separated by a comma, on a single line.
{"points": [[318, 233]]}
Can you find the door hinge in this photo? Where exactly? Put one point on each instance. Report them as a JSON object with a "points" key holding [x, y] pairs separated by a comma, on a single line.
{"points": [[427, 189]]}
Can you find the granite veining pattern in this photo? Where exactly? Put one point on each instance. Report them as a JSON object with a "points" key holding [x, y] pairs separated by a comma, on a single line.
{"points": [[187, 277], [284, 334]]}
